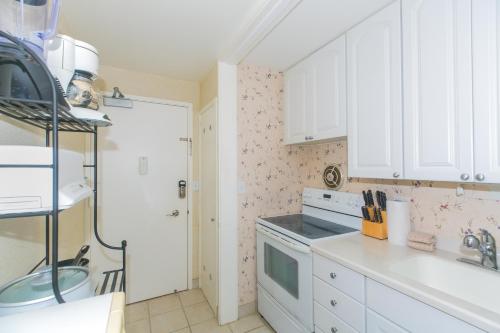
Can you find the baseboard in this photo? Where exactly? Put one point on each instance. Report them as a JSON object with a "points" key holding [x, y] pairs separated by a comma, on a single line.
{"points": [[196, 283], [247, 309]]}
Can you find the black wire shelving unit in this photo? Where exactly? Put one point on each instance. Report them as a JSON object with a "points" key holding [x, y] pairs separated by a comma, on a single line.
{"points": [[52, 115]]}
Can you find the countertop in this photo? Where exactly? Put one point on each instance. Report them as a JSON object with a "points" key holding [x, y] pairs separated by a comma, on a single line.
{"points": [[374, 258], [100, 314]]}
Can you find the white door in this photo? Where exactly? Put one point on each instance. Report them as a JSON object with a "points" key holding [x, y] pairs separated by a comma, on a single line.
{"points": [[137, 204], [208, 203], [296, 113], [374, 106], [486, 43], [328, 90], [437, 89]]}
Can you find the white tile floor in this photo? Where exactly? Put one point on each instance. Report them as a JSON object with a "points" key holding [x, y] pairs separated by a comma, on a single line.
{"points": [[185, 312]]}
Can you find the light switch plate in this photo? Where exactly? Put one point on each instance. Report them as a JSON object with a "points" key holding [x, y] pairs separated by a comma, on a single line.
{"points": [[242, 188]]}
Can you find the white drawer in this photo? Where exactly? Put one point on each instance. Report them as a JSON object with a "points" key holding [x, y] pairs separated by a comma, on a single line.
{"points": [[328, 322], [275, 315], [378, 324], [341, 277], [340, 304], [411, 314]]}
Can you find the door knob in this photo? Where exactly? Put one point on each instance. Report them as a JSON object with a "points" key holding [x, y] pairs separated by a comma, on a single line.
{"points": [[175, 213], [464, 176], [480, 177]]}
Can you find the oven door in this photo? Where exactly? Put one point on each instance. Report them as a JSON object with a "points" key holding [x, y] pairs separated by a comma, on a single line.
{"points": [[284, 270]]}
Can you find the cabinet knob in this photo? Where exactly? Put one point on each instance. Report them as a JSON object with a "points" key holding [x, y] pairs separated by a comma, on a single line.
{"points": [[333, 302], [333, 275], [464, 176], [395, 174], [334, 330], [480, 177]]}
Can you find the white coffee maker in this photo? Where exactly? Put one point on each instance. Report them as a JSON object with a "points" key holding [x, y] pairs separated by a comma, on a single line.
{"points": [[75, 65]]}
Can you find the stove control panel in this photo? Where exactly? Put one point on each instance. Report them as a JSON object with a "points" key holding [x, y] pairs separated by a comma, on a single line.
{"points": [[341, 202]]}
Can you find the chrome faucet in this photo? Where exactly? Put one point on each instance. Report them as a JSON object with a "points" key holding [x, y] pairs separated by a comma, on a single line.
{"points": [[486, 246]]}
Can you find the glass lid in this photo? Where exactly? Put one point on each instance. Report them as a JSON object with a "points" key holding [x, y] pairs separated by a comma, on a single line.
{"points": [[38, 285]]}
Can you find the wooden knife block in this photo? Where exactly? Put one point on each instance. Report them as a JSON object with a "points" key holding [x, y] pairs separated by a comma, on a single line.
{"points": [[374, 229]]}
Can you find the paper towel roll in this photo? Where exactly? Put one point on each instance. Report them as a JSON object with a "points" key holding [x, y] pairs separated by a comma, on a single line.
{"points": [[398, 221]]}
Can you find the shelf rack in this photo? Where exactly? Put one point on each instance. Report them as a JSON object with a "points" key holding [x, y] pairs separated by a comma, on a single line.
{"points": [[52, 115]]}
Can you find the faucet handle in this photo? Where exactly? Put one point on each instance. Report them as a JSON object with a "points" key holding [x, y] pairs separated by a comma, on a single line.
{"points": [[487, 237]]}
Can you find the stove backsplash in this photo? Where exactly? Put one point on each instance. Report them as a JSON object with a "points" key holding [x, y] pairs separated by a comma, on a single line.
{"points": [[273, 176]]}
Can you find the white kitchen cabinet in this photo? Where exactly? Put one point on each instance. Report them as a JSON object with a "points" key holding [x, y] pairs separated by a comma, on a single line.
{"points": [[374, 96], [378, 324], [296, 113], [315, 96], [486, 63], [410, 314], [437, 89]]}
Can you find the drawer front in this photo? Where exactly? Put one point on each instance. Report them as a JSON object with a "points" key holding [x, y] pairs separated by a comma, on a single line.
{"points": [[411, 314], [275, 315], [340, 304], [328, 322], [341, 277], [378, 324]]}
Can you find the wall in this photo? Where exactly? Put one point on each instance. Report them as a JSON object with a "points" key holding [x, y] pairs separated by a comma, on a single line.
{"points": [[274, 176], [156, 86], [209, 87], [22, 241]]}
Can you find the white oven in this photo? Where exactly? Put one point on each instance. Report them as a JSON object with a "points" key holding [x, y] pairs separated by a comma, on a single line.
{"points": [[284, 271]]}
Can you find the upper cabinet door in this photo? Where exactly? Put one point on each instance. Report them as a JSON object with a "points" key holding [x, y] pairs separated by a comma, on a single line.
{"points": [[437, 89], [328, 90], [296, 128], [486, 44], [374, 106]]}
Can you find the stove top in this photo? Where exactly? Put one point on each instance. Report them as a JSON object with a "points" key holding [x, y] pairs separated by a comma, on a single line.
{"points": [[308, 226]]}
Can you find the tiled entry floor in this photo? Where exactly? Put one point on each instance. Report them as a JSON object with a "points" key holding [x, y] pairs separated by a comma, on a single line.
{"points": [[185, 312]]}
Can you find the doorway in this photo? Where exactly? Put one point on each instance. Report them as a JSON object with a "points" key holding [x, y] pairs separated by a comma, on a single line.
{"points": [[144, 165], [209, 219]]}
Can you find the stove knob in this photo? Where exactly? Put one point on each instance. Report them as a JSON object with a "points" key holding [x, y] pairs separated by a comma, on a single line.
{"points": [[334, 330], [333, 275]]}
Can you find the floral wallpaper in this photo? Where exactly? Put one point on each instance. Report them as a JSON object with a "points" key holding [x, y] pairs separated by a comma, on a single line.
{"points": [[274, 176]]}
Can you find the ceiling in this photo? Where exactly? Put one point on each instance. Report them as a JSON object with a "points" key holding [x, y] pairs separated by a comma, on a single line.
{"points": [[312, 24], [177, 38]]}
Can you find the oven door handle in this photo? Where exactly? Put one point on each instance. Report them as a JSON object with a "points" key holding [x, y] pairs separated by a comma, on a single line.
{"points": [[296, 247]]}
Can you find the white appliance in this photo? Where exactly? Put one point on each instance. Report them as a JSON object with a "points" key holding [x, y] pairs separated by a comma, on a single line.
{"points": [[61, 59], [75, 64], [29, 189], [284, 258]]}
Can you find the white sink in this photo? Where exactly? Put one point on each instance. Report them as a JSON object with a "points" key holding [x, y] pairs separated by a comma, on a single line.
{"points": [[475, 285]]}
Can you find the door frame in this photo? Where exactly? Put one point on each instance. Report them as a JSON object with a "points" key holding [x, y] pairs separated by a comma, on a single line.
{"points": [[212, 103], [189, 109]]}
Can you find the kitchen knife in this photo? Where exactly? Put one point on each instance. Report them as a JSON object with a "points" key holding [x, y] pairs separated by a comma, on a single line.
{"points": [[384, 200], [378, 195], [366, 214], [365, 197], [370, 198], [379, 215]]}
